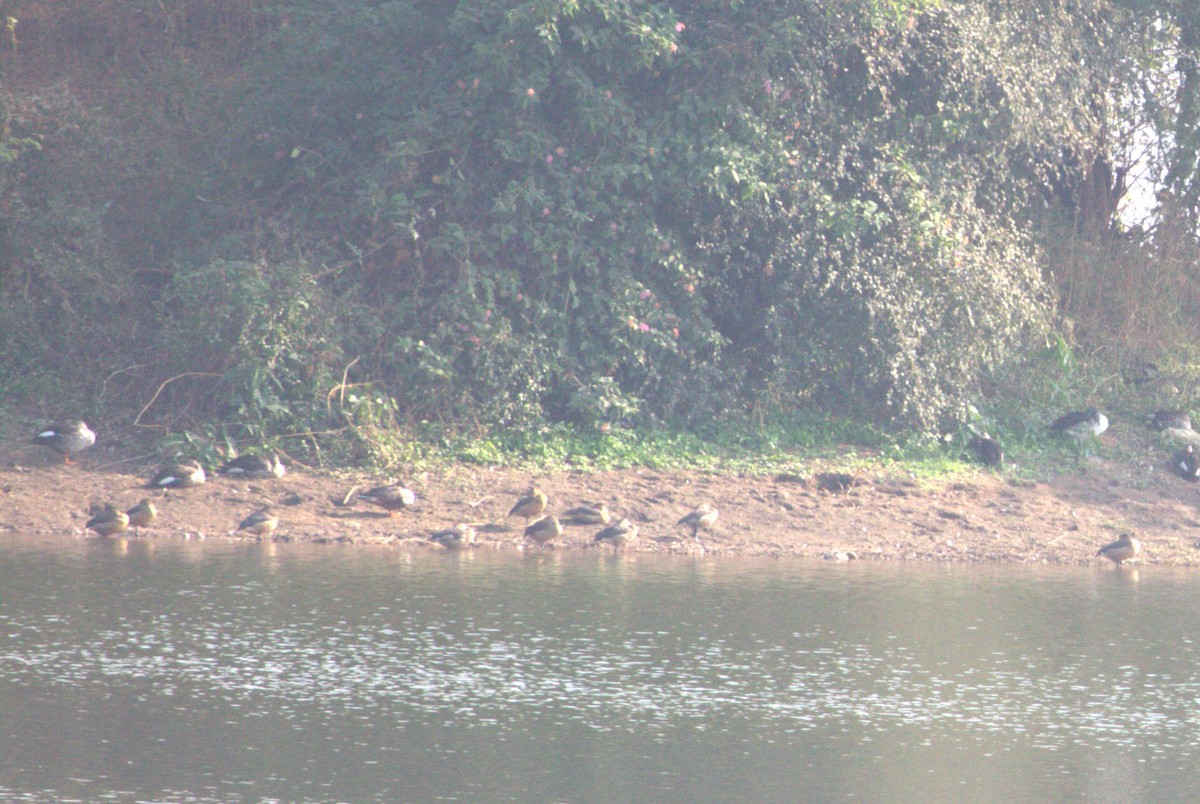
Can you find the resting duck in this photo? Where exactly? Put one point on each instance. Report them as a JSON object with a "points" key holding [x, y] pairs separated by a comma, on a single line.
{"points": [[1170, 420], [178, 476], [531, 505], [455, 538], [545, 529], [260, 523], [1186, 463], [254, 466], [391, 498], [1125, 548], [142, 515], [108, 522], [618, 535], [1081, 423], [66, 438], [987, 450], [588, 515], [704, 516]]}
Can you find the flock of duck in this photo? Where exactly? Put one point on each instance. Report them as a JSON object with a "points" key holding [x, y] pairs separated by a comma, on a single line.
{"points": [[1087, 424], [540, 526]]}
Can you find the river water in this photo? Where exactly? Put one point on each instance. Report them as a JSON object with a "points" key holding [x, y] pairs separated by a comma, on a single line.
{"points": [[161, 670]]}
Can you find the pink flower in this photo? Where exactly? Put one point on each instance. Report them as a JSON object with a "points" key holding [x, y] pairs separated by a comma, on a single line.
{"points": [[643, 327], [679, 26], [549, 159], [645, 294], [767, 86]]}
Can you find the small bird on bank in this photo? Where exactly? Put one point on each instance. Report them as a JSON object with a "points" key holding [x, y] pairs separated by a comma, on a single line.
{"points": [[178, 476], [455, 538], [618, 535], [987, 450], [1186, 463], [254, 466], [142, 515], [543, 530], [109, 522], [261, 523], [1170, 420], [531, 505], [66, 439], [1124, 548], [1081, 424], [703, 517], [392, 498], [588, 515]]}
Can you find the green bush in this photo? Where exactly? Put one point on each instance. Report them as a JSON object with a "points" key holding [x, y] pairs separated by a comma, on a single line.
{"points": [[561, 211], [504, 215], [260, 335]]}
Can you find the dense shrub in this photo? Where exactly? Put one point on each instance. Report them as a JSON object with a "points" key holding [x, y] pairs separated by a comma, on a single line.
{"points": [[552, 200], [261, 334], [507, 213]]}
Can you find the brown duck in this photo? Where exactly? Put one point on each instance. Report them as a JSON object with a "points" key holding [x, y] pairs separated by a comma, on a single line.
{"points": [[705, 516], [531, 505], [391, 498], [543, 530], [108, 522], [1123, 549], [142, 515]]}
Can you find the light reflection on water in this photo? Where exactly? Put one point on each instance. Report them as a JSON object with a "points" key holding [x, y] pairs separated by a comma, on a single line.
{"points": [[178, 671]]}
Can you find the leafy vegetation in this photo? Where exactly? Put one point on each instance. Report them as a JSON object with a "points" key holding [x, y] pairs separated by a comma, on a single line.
{"points": [[563, 229]]}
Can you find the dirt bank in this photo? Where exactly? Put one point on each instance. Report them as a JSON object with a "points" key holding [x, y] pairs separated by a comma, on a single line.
{"points": [[987, 516]]}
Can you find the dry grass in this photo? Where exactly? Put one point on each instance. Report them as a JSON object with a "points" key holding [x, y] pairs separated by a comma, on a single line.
{"points": [[1126, 300]]}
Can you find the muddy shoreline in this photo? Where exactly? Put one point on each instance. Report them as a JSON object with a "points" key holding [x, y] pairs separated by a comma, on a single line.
{"points": [[985, 516]]}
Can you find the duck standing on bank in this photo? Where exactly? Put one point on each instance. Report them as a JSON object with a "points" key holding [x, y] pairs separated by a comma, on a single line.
{"points": [[66, 439], [530, 505], [142, 515], [544, 529], [261, 523], [392, 498], [704, 517], [618, 535]]}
